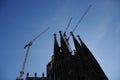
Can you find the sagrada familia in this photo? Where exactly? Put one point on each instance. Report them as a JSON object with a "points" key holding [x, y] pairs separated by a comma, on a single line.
{"points": [[68, 64]]}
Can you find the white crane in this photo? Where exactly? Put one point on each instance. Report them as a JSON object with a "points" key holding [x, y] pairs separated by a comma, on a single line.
{"points": [[64, 34], [81, 18], [26, 55]]}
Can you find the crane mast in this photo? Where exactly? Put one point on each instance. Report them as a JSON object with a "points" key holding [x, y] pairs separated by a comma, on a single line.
{"points": [[26, 55]]}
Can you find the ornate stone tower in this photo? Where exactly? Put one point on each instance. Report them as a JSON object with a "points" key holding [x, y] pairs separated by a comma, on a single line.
{"points": [[77, 65], [68, 64]]}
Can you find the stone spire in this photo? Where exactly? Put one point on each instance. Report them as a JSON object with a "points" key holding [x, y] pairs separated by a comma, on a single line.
{"points": [[94, 68], [56, 50], [56, 46], [77, 45], [64, 46]]}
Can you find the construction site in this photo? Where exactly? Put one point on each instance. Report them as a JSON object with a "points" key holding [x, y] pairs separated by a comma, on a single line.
{"points": [[67, 63]]}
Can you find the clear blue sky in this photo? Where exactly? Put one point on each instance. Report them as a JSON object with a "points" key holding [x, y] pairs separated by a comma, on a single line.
{"points": [[22, 20]]}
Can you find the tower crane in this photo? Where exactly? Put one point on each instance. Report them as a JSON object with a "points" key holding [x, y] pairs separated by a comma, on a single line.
{"points": [[64, 34], [26, 55], [68, 25], [81, 18]]}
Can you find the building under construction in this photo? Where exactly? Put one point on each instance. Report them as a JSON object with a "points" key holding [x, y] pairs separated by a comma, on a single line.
{"points": [[67, 64]]}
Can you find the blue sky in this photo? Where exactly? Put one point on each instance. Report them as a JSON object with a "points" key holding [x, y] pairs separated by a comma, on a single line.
{"points": [[22, 20]]}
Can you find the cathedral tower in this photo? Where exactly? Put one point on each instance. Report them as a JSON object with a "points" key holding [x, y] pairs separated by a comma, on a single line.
{"points": [[68, 64], [81, 65]]}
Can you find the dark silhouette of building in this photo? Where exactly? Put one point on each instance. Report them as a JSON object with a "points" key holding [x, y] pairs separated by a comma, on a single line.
{"points": [[66, 64]]}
